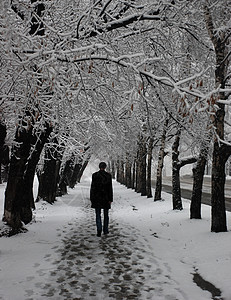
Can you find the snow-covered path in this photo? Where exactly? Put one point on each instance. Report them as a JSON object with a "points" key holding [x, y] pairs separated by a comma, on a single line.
{"points": [[116, 267], [151, 252], [121, 265]]}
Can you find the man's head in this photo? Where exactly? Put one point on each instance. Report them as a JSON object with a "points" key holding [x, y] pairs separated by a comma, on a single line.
{"points": [[102, 165]]}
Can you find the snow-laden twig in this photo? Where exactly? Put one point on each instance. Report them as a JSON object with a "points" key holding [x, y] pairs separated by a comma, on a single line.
{"points": [[226, 102], [221, 141]]}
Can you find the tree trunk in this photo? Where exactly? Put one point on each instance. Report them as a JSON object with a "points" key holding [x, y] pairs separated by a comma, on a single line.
{"points": [[137, 174], [74, 176], [120, 171], [149, 168], [218, 164], [221, 46], [198, 176], [128, 173], [143, 176], [14, 206], [5, 163], [37, 145], [109, 166], [19, 199], [158, 189], [141, 167], [49, 177], [220, 156], [65, 178], [83, 167], [176, 192], [62, 187], [134, 174], [113, 169], [28, 178], [47, 180], [2, 142]]}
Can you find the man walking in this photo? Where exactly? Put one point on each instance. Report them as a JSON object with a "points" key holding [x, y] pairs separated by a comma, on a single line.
{"points": [[101, 196]]}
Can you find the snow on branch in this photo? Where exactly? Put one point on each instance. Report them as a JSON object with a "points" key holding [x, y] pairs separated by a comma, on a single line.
{"points": [[176, 85], [120, 60], [225, 102], [223, 142], [186, 161], [123, 22]]}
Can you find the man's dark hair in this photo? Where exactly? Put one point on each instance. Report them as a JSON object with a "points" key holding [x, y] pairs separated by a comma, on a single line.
{"points": [[102, 165]]}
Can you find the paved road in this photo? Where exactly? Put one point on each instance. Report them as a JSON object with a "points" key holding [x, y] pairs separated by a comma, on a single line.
{"points": [[186, 189]]}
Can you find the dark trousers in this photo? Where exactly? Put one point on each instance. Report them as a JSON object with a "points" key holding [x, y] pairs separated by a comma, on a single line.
{"points": [[99, 220]]}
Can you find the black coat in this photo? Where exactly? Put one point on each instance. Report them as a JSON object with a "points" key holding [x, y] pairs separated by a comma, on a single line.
{"points": [[101, 193]]}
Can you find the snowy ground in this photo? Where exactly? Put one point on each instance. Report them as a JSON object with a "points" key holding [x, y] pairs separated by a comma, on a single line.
{"points": [[151, 252]]}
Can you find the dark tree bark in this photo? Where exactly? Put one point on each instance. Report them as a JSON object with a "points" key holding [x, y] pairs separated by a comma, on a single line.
{"points": [[109, 166], [134, 174], [65, 178], [161, 156], [5, 163], [14, 206], [128, 172], [49, 177], [141, 167], [19, 199], [2, 141], [143, 174], [218, 166], [120, 171], [73, 173], [137, 168], [176, 166], [176, 192], [82, 169], [113, 169], [149, 168], [28, 178], [220, 156], [62, 185], [220, 151], [198, 177]]}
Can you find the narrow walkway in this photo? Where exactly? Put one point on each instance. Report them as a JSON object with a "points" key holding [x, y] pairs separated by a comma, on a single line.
{"points": [[118, 266]]}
